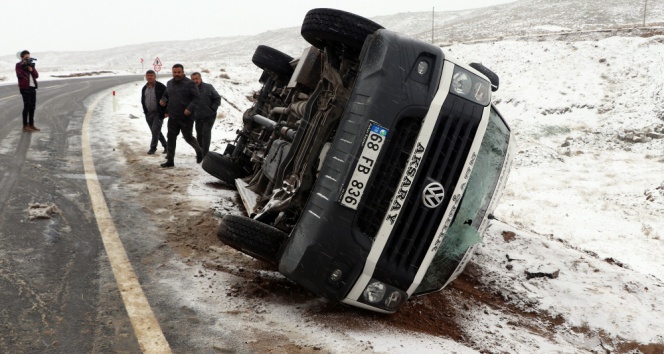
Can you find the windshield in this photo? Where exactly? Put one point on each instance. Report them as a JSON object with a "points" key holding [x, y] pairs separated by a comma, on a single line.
{"points": [[463, 232]]}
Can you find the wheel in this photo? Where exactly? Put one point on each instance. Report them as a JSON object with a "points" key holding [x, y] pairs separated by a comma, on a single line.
{"points": [[323, 27], [270, 59], [252, 237], [223, 168]]}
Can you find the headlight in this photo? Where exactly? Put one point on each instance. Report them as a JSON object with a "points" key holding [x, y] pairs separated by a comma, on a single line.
{"points": [[481, 91], [374, 292], [461, 83], [395, 299], [470, 86], [383, 296], [422, 67]]}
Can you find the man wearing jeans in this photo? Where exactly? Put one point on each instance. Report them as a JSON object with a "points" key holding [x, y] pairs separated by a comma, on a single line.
{"points": [[154, 112], [181, 99], [206, 112], [27, 83]]}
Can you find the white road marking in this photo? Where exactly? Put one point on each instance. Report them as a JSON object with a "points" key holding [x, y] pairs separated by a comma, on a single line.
{"points": [[8, 97], [51, 87], [146, 327]]}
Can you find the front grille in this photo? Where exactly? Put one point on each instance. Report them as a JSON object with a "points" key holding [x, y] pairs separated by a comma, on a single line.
{"points": [[443, 162], [388, 174]]}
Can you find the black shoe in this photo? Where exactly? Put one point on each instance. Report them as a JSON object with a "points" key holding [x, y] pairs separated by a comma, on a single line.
{"points": [[167, 164], [165, 150], [199, 158], [152, 151]]}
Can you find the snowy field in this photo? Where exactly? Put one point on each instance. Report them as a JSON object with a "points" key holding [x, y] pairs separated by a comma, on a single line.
{"points": [[586, 194], [585, 198]]}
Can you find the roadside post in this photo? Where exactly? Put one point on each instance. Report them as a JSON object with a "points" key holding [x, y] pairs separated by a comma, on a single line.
{"points": [[115, 105]]}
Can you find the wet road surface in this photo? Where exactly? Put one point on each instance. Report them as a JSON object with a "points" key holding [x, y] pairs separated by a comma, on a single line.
{"points": [[57, 293]]}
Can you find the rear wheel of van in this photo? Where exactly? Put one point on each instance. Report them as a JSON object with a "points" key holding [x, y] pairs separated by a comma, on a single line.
{"points": [[270, 59], [323, 27], [252, 237], [223, 168]]}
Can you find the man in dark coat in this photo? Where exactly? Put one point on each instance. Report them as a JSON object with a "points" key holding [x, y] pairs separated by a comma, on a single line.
{"points": [[27, 83], [206, 112], [181, 100], [154, 112]]}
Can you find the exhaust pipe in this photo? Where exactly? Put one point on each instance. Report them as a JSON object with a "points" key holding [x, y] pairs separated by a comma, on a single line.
{"points": [[265, 122]]}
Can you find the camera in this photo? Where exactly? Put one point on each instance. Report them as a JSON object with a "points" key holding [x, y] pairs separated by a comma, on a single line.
{"points": [[29, 62]]}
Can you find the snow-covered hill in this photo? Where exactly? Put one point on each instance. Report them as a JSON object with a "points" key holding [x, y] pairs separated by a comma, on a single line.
{"points": [[523, 17]]}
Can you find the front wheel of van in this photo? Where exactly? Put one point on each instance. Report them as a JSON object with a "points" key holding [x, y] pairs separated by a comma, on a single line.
{"points": [[252, 237], [223, 168]]}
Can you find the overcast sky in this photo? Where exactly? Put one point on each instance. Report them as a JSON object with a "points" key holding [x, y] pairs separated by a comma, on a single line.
{"points": [[81, 25]]}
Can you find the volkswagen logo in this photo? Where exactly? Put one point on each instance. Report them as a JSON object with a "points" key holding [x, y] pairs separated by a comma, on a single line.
{"points": [[433, 195]]}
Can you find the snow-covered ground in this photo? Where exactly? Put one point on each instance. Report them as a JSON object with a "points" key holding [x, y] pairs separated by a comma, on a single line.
{"points": [[585, 197], [589, 121]]}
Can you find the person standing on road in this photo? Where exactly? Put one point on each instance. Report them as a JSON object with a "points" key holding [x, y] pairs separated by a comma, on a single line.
{"points": [[154, 112], [206, 112], [27, 83], [181, 99]]}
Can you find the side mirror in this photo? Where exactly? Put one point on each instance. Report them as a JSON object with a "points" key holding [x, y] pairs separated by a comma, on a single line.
{"points": [[488, 73]]}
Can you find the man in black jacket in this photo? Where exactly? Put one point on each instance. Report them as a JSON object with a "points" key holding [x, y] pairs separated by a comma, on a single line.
{"points": [[154, 112], [206, 112], [181, 99]]}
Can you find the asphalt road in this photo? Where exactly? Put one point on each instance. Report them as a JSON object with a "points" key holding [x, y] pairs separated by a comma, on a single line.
{"points": [[57, 293]]}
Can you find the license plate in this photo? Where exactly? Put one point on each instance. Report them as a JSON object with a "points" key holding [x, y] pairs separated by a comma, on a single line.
{"points": [[373, 143]]}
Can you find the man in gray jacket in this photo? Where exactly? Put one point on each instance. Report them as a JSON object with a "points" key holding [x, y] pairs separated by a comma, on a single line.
{"points": [[206, 112], [154, 113], [181, 100]]}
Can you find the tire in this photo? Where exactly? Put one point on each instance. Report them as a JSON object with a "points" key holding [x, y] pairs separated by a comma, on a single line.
{"points": [[223, 168], [270, 59], [323, 27], [252, 237]]}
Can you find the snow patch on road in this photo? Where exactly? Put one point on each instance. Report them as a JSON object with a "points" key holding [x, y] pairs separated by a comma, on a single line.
{"points": [[42, 211]]}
